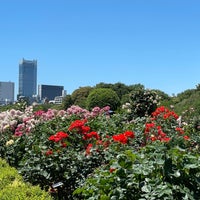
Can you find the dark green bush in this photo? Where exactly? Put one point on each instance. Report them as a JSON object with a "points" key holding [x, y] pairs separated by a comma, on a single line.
{"points": [[79, 96], [102, 97], [143, 102]]}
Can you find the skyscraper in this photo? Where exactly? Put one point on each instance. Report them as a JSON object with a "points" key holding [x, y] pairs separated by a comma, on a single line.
{"points": [[27, 78], [6, 92]]}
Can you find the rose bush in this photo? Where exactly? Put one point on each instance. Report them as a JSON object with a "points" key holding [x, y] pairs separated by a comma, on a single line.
{"points": [[165, 166], [78, 154]]}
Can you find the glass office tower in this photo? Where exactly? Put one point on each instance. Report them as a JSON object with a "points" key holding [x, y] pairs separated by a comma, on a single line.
{"points": [[6, 92], [27, 78]]}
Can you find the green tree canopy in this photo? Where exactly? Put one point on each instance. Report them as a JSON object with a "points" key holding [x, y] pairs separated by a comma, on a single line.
{"points": [[102, 97], [135, 87], [80, 95], [67, 102]]}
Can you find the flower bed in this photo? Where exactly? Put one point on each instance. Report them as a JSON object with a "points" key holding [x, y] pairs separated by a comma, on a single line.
{"points": [[77, 154]]}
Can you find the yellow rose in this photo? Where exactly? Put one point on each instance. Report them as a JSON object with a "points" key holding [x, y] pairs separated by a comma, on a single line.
{"points": [[8, 143]]}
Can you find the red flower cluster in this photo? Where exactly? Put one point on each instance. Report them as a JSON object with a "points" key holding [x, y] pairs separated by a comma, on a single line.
{"points": [[129, 134], [186, 137], [79, 125], [148, 127], [90, 135], [39, 113], [123, 137], [179, 130], [49, 152], [104, 143], [153, 132], [156, 133], [58, 136], [112, 170], [164, 112], [88, 149]]}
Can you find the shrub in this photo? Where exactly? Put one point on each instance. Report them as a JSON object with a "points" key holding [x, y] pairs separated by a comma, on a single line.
{"points": [[143, 102], [53, 152], [79, 96], [13, 187], [166, 166], [102, 97], [154, 172], [145, 158], [67, 102]]}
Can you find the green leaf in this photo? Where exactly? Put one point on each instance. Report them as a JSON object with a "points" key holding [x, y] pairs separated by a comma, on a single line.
{"points": [[131, 155], [121, 160], [191, 166], [177, 174], [146, 188], [160, 162], [114, 198], [121, 173]]}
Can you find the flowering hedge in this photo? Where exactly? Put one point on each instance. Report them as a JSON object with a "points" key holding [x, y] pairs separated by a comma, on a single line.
{"points": [[77, 154]]}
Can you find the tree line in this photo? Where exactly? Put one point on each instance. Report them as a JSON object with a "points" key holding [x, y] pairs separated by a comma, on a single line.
{"points": [[117, 94]]}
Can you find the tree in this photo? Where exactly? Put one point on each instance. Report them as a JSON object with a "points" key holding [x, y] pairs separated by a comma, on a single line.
{"points": [[162, 95], [185, 94], [198, 87], [104, 85], [135, 87], [80, 95], [102, 97], [120, 88], [143, 102], [67, 102], [125, 98]]}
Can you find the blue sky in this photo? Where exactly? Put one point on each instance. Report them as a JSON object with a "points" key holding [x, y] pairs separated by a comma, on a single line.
{"points": [[84, 42]]}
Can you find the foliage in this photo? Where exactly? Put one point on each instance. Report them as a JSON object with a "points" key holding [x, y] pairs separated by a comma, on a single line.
{"points": [[82, 154], [137, 86], [198, 87], [185, 94], [188, 103], [43, 107], [143, 102], [154, 172], [162, 95], [6, 107], [102, 97], [67, 102], [120, 88], [13, 187], [80, 95], [53, 152], [165, 166], [182, 103]]}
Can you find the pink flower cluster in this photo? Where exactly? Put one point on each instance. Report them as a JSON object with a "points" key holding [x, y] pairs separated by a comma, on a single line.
{"points": [[22, 122], [83, 113], [10, 119]]}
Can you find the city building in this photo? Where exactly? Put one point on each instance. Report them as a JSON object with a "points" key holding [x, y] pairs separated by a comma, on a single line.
{"points": [[58, 99], [27, 78], [6, 92], [50, 92]]}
